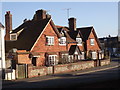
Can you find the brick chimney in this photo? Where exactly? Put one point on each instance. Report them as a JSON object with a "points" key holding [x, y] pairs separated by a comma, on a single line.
{"points": [[72, 24], [40, 14], [8, 25]]}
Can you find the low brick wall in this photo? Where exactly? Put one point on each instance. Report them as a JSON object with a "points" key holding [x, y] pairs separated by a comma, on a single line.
{"points": [[104, 62], [73, 66], [39, 71], [36, 71]]}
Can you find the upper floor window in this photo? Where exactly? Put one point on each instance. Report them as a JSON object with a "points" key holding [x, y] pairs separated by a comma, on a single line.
{"points": [[13, 36], [62, 41], [79, 41], [49, 40], [92, 41]]}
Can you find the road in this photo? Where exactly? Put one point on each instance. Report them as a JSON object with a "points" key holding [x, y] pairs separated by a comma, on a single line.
{"points": [[101, 79]]}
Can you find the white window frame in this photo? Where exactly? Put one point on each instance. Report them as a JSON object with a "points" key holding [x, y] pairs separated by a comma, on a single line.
{"points": [[92, 41], [11, 37], [94, 55], [49, 40], [79, 41], [52, 60], [62, 41]]}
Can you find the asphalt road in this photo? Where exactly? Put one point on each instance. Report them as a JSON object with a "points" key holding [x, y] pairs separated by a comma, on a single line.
{"points": [[101, 79]]}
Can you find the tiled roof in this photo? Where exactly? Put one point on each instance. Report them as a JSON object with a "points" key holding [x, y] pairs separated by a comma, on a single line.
{"points": [[73, 48], [85, 31], [69, 39], [31, 31]]}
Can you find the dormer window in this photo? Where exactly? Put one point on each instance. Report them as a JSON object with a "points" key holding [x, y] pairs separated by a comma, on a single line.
{"points": [[62, 41], [13, 36], [79, 41]]}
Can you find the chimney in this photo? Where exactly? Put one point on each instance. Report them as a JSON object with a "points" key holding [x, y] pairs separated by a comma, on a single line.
{"points": [[8, 25], [40, 14], [72, 24]]}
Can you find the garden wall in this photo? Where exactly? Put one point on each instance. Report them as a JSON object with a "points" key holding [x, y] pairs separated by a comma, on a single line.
{"points": [[73, 66], [41, 71], [104, 62]]}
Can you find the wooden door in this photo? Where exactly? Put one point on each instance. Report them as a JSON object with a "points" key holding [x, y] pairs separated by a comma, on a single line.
{"points": [[21, 71]]}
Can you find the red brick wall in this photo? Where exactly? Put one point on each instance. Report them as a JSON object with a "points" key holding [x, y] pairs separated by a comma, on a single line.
{"points": [[23, 59], [40, 60], [92, 47], [81, 47], [40, 45]]}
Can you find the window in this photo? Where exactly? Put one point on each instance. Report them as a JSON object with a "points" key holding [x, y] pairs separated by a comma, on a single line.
{"points": [[52, 60], [62, 41], [91, 41], [34, 61], [49, 40], [79, 41], [94, 55], [13, 36]]}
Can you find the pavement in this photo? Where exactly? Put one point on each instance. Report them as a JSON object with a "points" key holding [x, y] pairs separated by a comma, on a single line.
{"points": [[114, 64]]}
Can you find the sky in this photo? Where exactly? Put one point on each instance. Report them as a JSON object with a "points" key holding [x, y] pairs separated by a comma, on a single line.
{"points": [[119, 19], [103, 16]]}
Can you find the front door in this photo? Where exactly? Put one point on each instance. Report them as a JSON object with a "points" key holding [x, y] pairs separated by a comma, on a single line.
{"points": [[21, 71]]}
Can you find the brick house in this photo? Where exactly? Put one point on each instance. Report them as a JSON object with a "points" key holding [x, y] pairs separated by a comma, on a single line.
{"points": [[86, 39], [41, 43], [38, 41], [91, 42]]}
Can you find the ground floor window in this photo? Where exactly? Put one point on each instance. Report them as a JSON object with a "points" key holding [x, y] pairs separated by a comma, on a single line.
{"points": [[52, 60], [94, 55]]}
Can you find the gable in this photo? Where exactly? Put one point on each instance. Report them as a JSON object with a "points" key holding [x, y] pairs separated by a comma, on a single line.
{"points": [[94, 36], [40, 44], [85, 32]]}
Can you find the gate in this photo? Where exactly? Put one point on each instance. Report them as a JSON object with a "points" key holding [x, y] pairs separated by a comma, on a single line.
{"points": [[21, 71]]}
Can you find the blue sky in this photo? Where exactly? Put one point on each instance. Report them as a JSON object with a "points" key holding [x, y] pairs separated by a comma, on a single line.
{"points": [[102, 15]]}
